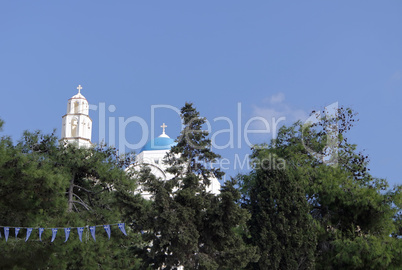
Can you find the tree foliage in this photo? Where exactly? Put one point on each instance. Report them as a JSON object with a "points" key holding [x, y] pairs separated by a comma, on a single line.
{"points": [[280, 223], [46, 185], [353, 214], [187, 225]]}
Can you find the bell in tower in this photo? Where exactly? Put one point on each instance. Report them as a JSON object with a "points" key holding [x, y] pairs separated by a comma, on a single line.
{"points": [[77, 125]]}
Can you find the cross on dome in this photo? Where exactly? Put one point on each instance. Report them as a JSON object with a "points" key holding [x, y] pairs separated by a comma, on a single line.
{"points": [[79, 88], [163, 128]]}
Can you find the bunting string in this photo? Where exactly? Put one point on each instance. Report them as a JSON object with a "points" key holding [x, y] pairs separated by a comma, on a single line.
{"points": [[80, 230]]}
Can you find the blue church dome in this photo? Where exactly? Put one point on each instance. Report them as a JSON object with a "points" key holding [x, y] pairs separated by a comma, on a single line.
{"points": [[163, 142]]}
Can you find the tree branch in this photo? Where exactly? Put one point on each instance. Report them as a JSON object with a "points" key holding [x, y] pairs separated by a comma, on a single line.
{"points": [[83, 204], [84, 189], [70, 194]]}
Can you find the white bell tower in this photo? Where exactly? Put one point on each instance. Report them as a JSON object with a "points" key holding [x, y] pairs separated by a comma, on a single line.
{"points": [[77, 125]]}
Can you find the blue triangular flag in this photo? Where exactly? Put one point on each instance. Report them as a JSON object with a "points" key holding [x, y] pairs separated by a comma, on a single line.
{"points": [[54, 232], [80, 230], [107, 229], [67, 233], [92, 229], [6, 231], [16, 231], [40, 233], [122, 229], [29, 230]]}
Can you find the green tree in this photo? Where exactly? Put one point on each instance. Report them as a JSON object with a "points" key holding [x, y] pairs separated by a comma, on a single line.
{"points": [[354, 213], [280, 223], [186, 225], [46, 185], [31, 194]]}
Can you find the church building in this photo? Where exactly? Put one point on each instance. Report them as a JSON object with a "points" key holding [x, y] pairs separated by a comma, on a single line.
{"points": [[77, 129]]}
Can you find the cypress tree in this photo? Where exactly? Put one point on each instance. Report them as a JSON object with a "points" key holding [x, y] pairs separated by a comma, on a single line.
{"points": [[280, 224]]}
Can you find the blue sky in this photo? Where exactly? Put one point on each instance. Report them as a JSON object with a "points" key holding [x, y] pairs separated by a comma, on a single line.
{"points": [[274, 58]]}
